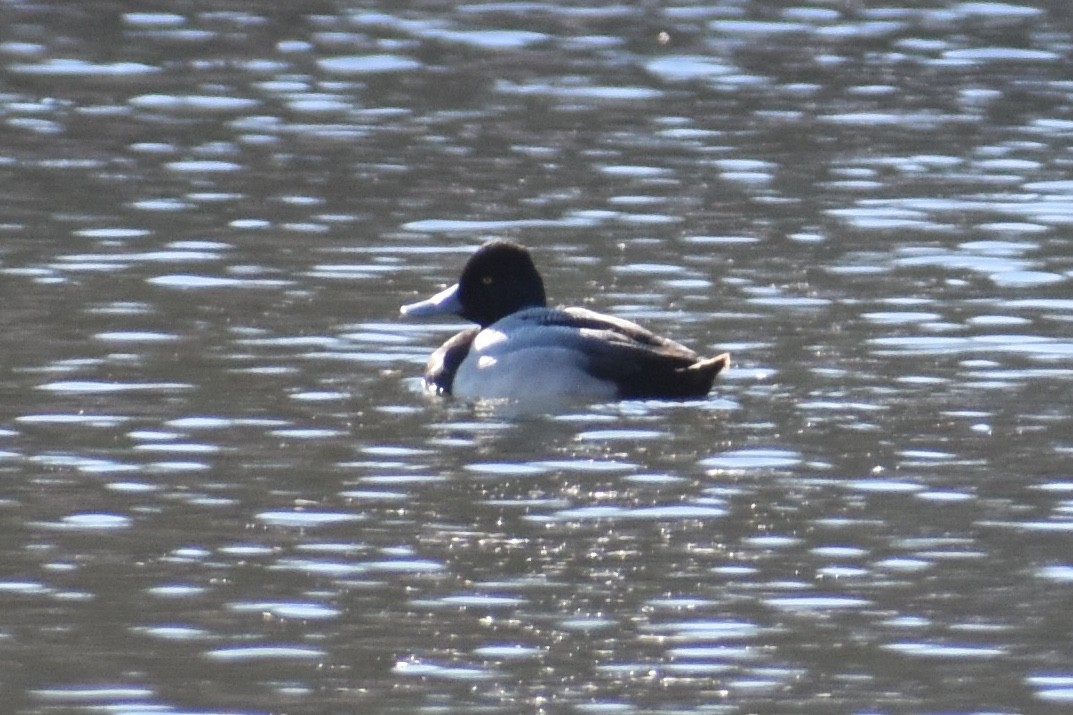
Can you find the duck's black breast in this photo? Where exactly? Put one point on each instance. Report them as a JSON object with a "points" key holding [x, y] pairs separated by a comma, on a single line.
{"points": [[443, 364]]}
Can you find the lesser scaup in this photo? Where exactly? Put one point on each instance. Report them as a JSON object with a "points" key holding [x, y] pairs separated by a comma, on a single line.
{"points": [[523, 350]]}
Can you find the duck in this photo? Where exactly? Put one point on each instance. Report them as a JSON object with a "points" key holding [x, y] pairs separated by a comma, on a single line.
{"points": [[522, 350]]}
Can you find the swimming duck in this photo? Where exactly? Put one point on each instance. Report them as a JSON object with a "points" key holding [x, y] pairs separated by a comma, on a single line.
{"points": [[524, 350]]}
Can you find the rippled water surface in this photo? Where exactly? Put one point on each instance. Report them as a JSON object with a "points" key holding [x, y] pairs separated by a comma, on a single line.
{"points": [[224, 491]]}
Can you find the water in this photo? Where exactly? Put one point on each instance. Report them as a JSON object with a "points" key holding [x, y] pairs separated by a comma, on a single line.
{"points": [[225, 492]]}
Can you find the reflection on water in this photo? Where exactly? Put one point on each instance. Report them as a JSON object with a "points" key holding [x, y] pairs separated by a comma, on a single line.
{"points": [[225, 491]]}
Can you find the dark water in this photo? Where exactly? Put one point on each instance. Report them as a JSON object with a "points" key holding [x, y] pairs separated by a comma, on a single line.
{"points": [[223, 491]]}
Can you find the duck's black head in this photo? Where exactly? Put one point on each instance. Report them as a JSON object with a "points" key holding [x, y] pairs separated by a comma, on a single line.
{"points": [[497, 280]]}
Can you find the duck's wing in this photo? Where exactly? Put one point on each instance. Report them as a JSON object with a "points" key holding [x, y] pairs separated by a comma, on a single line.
{"points": [[639, 362], [624, 331], [443, 364]]}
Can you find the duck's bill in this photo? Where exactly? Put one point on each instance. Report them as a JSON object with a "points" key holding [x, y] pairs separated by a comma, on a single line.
{"points": [[445, 302]]}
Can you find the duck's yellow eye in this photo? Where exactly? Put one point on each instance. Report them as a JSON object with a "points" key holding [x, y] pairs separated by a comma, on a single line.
{"points": [[487, 280]]}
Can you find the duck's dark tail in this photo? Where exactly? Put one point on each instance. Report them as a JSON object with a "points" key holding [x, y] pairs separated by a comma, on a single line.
{"points": [[681, 381], [701, 374]]}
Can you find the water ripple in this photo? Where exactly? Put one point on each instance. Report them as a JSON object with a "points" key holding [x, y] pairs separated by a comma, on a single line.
{"points": [[62, 67], [93, 387], [368, 64], [305, 519], [668, 512], [249, 654], [753, 459], [945, 651], [427, 669]]}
